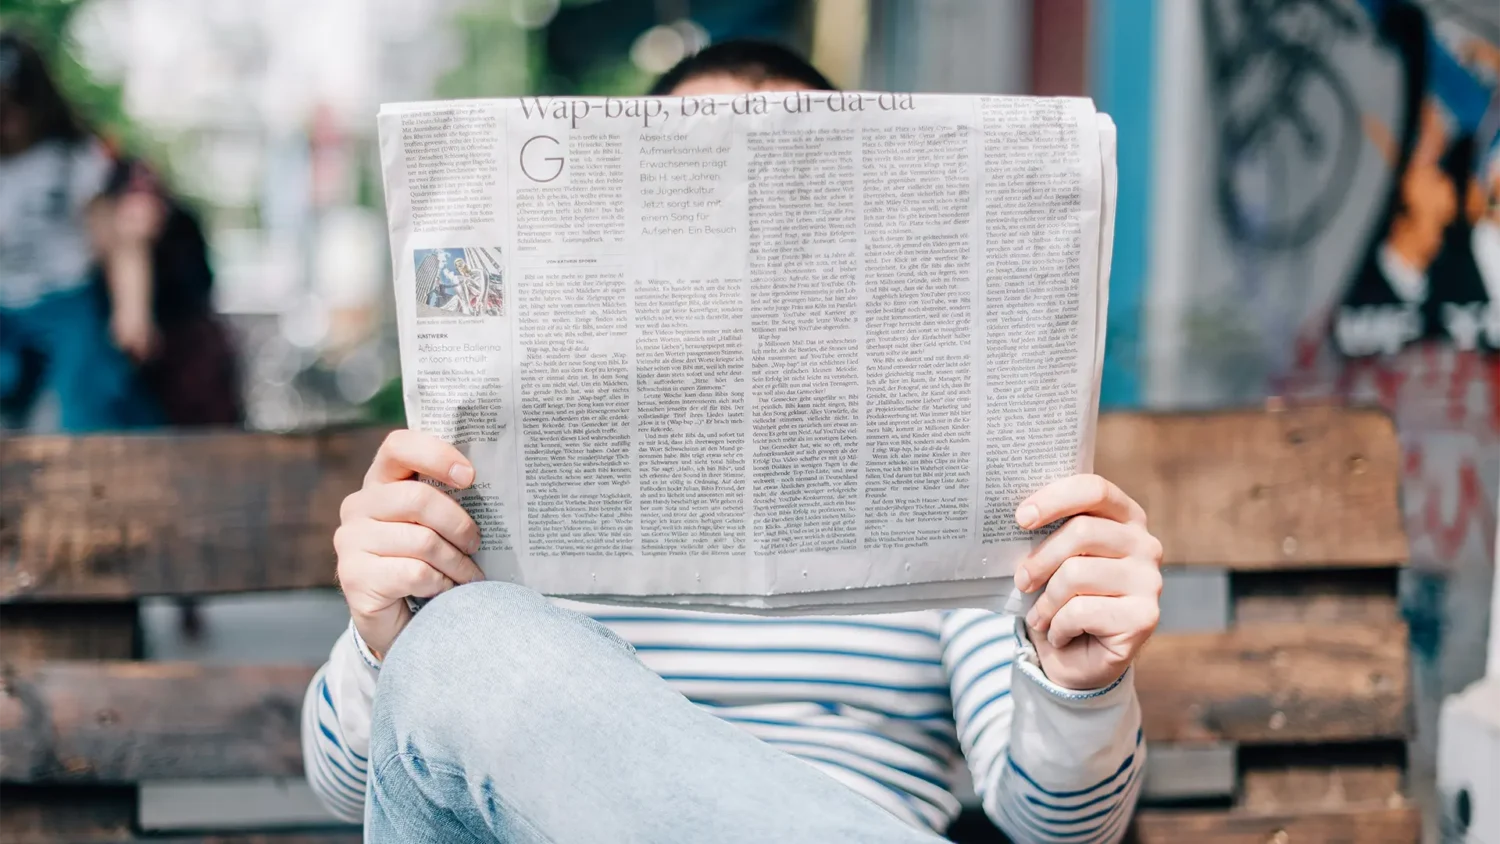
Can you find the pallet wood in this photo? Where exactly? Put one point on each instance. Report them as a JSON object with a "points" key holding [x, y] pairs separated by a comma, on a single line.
{"points": [[96, 518], [1309, 487], [1374, 825], [109, 517], [84, 815], [1314, 655], [64, 632], [254, 838], [1331, 597], [1280, 778], [1276, 683], [121, 721], [128, 721], [69, 631], [1321, 786]]}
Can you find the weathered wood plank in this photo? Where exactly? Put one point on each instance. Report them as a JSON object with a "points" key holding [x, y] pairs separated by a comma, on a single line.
{"points": [[1276, 684], [258, 838], [107, 517], [123, 721], [46, 814], [93, 518], [1310, 487], [1320, 786], [1319, 777], [64, 632], [1330, 596], [1375, 825], [69, 631]]}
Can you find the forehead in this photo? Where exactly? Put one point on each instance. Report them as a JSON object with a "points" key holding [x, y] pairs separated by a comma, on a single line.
{"points": [[724, 83]]}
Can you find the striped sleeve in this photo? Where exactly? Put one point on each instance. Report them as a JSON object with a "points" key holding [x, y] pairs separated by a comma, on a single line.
{"points": [[336, 727], [1049, 764]]}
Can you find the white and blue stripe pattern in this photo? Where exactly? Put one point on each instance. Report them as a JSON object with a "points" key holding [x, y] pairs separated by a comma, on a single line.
{"points": [[888, 705], [336, 772], [1098, 812]]}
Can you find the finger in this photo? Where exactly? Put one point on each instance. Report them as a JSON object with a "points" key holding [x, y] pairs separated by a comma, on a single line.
{"points": [[418, 503], [1131, 619], [372, 584], [1082, 536], [400, 539], [1076, 495], [420, 580], [406, 454], [1103, 576]]}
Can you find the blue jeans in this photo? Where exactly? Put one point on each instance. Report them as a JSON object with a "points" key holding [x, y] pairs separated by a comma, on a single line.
{"points": [[61, 343], [500, 717]]}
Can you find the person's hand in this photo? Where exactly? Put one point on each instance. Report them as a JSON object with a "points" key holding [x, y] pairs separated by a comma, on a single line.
{"points": [[400, 537], [1100, 581], [134, 332], [139, 216]]}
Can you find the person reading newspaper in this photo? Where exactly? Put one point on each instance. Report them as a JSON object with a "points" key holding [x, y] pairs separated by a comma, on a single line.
{"points": [[494, 714]]}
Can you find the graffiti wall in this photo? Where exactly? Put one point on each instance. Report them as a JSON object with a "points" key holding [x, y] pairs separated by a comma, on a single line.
{"points": [[1351, 170]]}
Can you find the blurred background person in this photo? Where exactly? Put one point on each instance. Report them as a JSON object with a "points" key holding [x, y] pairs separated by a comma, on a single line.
{"points": [[188, 361], [54, 333]]}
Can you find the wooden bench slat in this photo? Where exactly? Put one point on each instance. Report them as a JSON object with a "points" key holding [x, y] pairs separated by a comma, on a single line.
{"points": [[1309, 786], [68, 631], [106, 815], [1275, 684], [256, 838], [1300, 488], [109, 517], [129, 721], [95, 518], [1372, 825], [122, 722], [86, 815]]}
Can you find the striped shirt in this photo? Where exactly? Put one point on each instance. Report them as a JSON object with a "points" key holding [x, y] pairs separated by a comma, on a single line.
{"points": [[893, 706]]}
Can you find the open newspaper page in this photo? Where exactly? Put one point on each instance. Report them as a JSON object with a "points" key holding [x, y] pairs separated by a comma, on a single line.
{"points": [[772, 352]]}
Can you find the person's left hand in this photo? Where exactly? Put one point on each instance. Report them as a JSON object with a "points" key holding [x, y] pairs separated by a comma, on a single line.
{"points": [[1100, 576]]}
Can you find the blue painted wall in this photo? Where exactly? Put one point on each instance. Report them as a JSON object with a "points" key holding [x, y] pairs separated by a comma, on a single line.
{"points": [[1121, 80]]}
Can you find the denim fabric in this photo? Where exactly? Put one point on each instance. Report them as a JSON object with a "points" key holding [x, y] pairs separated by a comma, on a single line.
{"points": [[61, 343], [500, 717]]}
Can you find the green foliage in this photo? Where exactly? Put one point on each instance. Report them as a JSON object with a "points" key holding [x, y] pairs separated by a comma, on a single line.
{"points": [[619, 78], [386, 406], [496, 57], [45, 23]]}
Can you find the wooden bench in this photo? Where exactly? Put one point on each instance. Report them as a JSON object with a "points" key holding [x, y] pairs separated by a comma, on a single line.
{"points": [[1284, 721]]}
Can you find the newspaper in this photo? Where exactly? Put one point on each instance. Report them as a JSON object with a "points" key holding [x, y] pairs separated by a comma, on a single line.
{"points": [[762, 352]]}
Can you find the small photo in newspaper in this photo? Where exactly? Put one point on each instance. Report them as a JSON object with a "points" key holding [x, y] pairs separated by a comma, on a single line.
{"points": [[459, 282]]}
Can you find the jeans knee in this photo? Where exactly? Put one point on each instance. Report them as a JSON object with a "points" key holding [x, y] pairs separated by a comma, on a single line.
{"points": [[466, 626]]}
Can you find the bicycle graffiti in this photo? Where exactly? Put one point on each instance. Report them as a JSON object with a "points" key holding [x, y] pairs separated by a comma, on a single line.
{"points": [[1288, 125]]}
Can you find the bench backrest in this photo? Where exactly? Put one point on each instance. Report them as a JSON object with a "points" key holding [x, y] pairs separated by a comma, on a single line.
{"points": [[1278, 713]]}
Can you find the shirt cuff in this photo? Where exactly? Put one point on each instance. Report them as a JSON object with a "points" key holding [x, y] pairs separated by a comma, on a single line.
{"points": [[1031, 667], [364, 650]]}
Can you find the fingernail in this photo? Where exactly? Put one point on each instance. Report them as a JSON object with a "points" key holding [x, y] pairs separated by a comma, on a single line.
{"points": [[462, 474], [473, 548], [1031, 618], [1023, 580], [1026, 515]]}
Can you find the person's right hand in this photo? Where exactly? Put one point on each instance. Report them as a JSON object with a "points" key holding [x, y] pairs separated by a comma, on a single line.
{"points": [[400, 537]]}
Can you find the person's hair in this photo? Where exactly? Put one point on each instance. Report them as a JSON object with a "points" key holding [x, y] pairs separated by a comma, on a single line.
{"points": [[26, 83], [753, 61]]}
